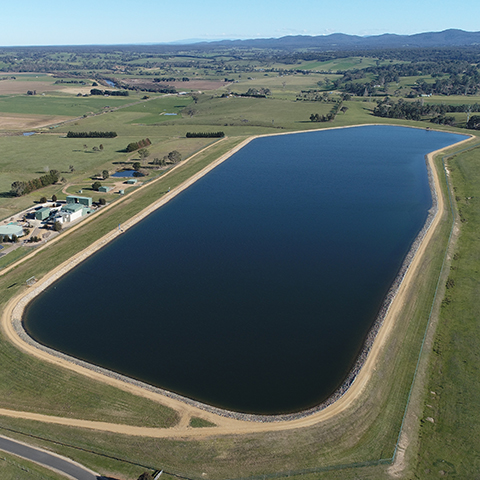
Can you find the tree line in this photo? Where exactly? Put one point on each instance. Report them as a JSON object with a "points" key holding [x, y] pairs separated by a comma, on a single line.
{"points": [[20, 188], [205, 134], [71, 134], [171, 79], [318, 96], [315, 117], [112, 93]]}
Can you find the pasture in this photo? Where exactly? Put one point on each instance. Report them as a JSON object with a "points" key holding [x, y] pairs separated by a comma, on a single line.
{"points": [[69, 106], [348, 63], [283, 86]]}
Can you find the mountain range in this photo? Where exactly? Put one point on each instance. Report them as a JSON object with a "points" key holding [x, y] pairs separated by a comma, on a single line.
{"points": [[340, 41]]}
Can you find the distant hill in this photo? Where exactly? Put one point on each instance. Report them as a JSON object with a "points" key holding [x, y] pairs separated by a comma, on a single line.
{"points": [[340, 41]]}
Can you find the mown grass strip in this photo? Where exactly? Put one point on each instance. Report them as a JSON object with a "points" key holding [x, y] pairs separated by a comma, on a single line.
{"points": [[451, 422]]}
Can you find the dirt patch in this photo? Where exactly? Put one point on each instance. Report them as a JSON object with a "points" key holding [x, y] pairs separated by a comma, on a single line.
{"points": [[12, 87], [74, 90], [12, 121]]}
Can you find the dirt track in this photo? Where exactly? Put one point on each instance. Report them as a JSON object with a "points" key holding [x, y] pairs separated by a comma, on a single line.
{"points": [[225, 425]]}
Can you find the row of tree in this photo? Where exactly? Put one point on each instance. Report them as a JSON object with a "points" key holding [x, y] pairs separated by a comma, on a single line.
{"points": [[20, 188], [71, 134], [315, 96], [205, 134], [171, 79], [131, 147], [112, 93], [7, 239], [315, 117]]}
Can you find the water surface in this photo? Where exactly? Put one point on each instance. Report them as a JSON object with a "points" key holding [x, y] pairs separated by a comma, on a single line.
{"points": [[254, 289]]}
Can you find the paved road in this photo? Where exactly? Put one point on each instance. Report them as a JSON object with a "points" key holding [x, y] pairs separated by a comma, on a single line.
{"points": [[50, 460]]}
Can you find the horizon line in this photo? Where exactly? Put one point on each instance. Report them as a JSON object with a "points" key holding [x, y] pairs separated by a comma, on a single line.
{"points": [[190, 42]]}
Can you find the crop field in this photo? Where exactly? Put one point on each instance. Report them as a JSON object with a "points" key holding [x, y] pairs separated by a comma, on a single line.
{"points": [[16, 87]]}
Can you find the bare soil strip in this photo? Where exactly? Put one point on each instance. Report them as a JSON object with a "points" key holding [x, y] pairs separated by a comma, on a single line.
{"points": [[14, 121], [225, 425]]}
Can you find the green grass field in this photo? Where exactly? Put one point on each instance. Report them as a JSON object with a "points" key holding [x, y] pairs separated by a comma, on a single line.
{"points": [[15, 468], [340, 64], [69, 106], [282, 86]]}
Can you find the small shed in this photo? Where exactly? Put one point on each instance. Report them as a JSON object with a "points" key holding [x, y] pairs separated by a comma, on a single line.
{"points": [[104, 189], [42, 214], [87, 201], [121, 192], [131, 181]]}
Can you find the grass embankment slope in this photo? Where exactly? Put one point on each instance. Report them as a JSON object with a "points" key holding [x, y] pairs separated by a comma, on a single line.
{"points": [[450, 427], [15, 468]]}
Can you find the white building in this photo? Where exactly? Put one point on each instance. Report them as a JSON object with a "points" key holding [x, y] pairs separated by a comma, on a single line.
{"points": [[70, 212]]}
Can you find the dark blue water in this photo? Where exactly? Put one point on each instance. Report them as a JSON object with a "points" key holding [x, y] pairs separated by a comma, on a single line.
{"points": [[254, 289], [124, 173]]}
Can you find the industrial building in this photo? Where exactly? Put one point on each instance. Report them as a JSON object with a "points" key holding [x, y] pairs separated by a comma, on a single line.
{"points": [[42, 213], [10, 230], [72, 211], [86, 201]]}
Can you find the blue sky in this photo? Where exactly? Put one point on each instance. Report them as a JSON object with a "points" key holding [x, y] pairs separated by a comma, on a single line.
{"points": [[29, 22]]}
